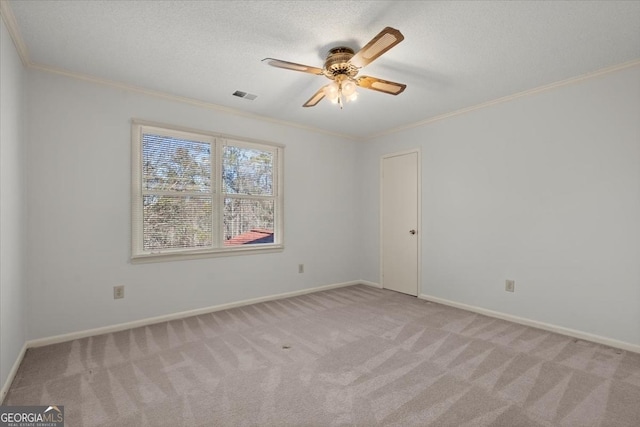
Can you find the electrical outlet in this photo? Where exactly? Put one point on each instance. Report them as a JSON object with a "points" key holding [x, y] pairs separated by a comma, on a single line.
{"points": [[300, 268], [118, 292], [510, 286]]}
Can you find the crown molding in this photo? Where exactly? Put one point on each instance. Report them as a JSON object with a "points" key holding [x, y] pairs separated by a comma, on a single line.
{"points": [[508, 98], [12, 26], [182, 99], [216, 107]]}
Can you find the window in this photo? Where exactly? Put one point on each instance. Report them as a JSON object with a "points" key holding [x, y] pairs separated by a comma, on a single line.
{"points": [[197, 194]]}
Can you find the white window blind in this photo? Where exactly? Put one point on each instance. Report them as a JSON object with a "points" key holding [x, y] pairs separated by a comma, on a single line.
{"points": [[200, 194]]}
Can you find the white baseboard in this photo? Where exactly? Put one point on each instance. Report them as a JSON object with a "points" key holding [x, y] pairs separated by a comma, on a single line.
{"points": [[152, 320], [534, 323], [372, 284], [12, 373], [181, 315], [184, 314]]}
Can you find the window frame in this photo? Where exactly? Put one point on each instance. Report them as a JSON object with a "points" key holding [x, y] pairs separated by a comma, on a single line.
{"points": [[217, 142]]}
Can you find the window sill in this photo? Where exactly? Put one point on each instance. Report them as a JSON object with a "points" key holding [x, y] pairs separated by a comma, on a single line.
{"points": [[209, 253]]}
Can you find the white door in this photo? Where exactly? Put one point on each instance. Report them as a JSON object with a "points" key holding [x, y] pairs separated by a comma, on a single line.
{"points": [[399, 222]]}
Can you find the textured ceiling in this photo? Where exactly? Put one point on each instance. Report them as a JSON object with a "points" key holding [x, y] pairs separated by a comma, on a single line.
{"points": [[455, 54]]}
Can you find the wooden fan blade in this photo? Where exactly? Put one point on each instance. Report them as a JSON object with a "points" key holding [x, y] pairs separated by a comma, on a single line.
{"points": [[388, 38], [292, 66], [317, 97], [380, 85]]}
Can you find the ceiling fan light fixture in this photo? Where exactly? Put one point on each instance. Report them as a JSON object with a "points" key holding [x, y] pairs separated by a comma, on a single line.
{"points": [[342, 89], [348, 88], [332, 91], [342, 66]]}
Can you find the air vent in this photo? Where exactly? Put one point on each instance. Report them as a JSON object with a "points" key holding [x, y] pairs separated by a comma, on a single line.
{"points": [[245, 95]]}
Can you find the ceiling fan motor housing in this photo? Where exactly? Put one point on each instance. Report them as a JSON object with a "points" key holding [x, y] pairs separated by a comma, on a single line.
{"points": [[337, 63]]}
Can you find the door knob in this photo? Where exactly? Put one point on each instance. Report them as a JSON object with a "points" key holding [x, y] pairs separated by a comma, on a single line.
{"points": [[412, 232]]}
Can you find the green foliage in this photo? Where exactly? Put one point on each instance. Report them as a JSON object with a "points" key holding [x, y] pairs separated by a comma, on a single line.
{"points": [[247, 171], [171, 164], [176, 170], [176, 222]]}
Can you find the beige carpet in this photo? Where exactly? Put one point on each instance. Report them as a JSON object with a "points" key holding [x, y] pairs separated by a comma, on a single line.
{"points": [[350, 356]]}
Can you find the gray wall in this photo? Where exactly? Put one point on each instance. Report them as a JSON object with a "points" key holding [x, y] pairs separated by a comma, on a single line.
{"points": [[79, 189], [12, 205], [544, 190]]}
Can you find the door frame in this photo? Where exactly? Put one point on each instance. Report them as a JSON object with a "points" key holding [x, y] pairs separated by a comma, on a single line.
{"points": [[419, 213]]}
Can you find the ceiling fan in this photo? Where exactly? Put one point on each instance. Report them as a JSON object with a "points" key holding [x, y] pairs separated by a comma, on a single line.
{"points": [[342, 66]]}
